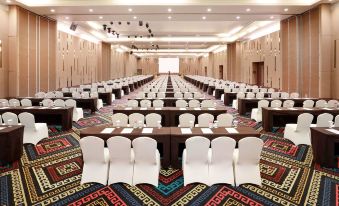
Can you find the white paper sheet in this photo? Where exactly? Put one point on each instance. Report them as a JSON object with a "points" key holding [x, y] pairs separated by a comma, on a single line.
{"points": [[158, 108], [127, 131], [327, 109], [128, 108], [333, 131], [1, 128], [147, 130], [292, 108], [206, 131], [277, 108], [232, 130], [308, 109], [186, 131], [211, 108], [4, 107], [107, 130], [29, 107], [56, 107], [143, 108], [197, 108], [182, 109], [43, 107]]}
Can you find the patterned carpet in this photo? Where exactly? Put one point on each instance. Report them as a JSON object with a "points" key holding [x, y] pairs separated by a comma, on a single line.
{"points": [[50, 173]]}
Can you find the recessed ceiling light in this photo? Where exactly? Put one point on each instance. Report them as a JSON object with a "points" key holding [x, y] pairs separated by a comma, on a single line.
{"points": [[53, 10], [8, 1], [90, 10], [286, 9], [130, 10], [134, 17], [169, 10], [66, 17], [271, 17], [238, 17], [169, 17], [101, 17], [204, 17], [209, 9], [248, 9]]}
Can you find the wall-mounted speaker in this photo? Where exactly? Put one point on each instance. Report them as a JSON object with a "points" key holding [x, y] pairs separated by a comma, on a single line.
{"points": [[73, 26]]}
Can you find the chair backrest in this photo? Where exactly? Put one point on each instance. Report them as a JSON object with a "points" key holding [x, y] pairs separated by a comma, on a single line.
{"points": [[222, 150], [250, 150], [332, 103], [263, 103], [76, 95], [304, 122], [263, 90], [294, 95], [14, 102], [194, 103], [250, 95], [47, 102], [26, 103], [144, 150], [181, 103], [119, 149], [10, 118], [207, 103], [275, 95], [50, 95], [0, 119], [240, 95], [151, 95], [145, 103], [85, 95], [119, 120], [161, 95], [323, 120], [59, 103], [271, 90], [92, 149], [197, 150], [225, 120], [204, 119], [141, 95], [320, 103], [288, 103], [152, 120], [59, 94], [132, 103], [197, 95], [186, 119], [28, 120], [135, 118], [65, 89], [158, 103], [40, 95], [94, 94], [178, 95], [4, 102], [336, 121], [72, 89], [227, 89], [188, 95], [276, 103], [255, 90], [284, 95], [308, 103], [260, 95]]}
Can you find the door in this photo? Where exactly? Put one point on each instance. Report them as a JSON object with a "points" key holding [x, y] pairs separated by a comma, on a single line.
{"points": [[258, 73], [221, 71], [206, 71]]}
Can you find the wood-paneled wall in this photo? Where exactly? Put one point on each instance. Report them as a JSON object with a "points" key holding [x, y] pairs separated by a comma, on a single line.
{"points": [[148, 65], [264, 49], [77, 60], [335, 50], [32, 52], [122, 64], [4, 51]]}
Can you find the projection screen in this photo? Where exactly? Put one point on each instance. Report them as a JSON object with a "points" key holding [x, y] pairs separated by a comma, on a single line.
{"points": [[168, 64]]}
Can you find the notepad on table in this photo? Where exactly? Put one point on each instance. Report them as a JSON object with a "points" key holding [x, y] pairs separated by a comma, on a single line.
{"points": [[143, 108], [333, 131], [4, 107], [197, 108], [327, 109], [158, 108], [307, 108], [277, 108], [128, 108], [56, 107], [232, 130], [107, 130], [1, 128], [206, 131], [211, 108], [43, 107], [182, 109], [147, 130], [29, 107], [127, 131], [292, 108], [186, 131]]}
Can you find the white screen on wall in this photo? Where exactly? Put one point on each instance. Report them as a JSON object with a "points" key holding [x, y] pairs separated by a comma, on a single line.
{"points": [[168, 64]]}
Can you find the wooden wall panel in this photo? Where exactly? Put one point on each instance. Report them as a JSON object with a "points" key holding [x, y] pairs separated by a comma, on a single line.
{"points": [[43, 54], [314, 32], [23, 52], [4, 38], [52, 47], [32, 51], [305, 59]]}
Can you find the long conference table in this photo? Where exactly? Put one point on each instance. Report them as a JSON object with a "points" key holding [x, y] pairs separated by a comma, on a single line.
{"points": [[170, 115], [170, 101], [11, 143], [279, 117], [247, 104], [230, 96], [85, 103], [170, 140], [105, 96], [50, 115]]}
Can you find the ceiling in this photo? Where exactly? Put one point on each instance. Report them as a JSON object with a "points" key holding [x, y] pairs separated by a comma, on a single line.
{"points": [[179, 27]]}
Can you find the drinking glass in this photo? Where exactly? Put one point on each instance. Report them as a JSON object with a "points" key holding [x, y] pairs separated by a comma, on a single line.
{"points": [[191, 124], [235, 123]]}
